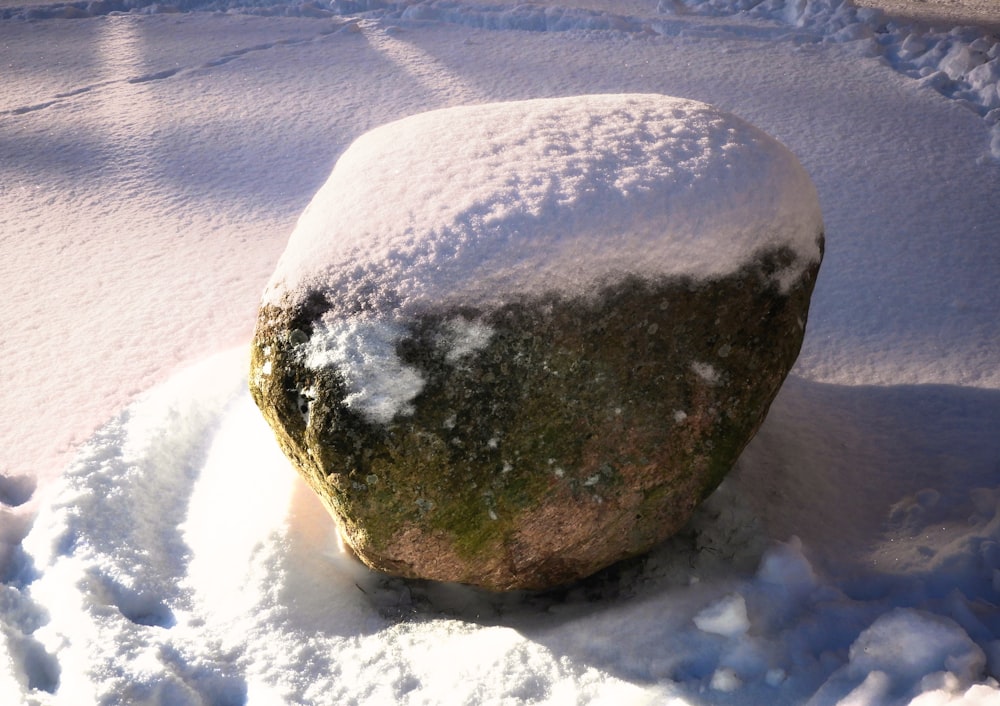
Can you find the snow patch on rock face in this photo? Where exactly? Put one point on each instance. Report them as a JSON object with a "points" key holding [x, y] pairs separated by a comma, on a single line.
{"points": [[471, 205], [465, 338], [379, 384]]}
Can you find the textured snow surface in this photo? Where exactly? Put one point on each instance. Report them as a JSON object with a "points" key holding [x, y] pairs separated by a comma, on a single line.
{"points": [[155, 547], [527, 197]]}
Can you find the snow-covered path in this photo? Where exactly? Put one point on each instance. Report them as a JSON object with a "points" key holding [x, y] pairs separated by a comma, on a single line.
{"points": [[151, 168]]}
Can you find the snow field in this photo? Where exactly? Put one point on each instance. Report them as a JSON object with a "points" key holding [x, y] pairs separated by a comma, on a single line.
{"points": [[962, 63], [144, 218]]}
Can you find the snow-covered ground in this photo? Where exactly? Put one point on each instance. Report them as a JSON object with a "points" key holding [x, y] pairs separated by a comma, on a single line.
{"points": [[941, 13], [152, 165]]}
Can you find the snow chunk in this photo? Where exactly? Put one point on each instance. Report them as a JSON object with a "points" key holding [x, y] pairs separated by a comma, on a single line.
{"points": [[786, 566], [725, 680], [907, 644], [469, 205], [727, 617], [379, 384], [775, 676]]}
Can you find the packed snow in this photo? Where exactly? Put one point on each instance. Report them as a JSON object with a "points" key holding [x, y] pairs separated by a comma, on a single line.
{"points": [[156, 548]]}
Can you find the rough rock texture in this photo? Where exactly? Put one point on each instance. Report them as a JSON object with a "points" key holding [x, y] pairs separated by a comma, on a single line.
{"points": [[533, 439]]}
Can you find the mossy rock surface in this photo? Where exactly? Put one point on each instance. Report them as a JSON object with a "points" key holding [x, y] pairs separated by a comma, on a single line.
{"points": [[582, 431]]}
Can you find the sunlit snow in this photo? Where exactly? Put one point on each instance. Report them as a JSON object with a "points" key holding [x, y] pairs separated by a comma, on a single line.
{"points": [[155, 546]]}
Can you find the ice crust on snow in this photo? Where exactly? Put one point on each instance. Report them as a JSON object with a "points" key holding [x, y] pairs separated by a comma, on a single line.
{"points": [[475, 204]]}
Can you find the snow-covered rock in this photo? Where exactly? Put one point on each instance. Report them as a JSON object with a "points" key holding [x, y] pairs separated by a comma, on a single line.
{"points": [[509, 344]]}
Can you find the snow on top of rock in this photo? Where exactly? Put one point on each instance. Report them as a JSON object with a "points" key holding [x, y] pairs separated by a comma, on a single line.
{"points": [[469, 205]]}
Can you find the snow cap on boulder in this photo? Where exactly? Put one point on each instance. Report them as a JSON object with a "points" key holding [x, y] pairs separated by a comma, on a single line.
{"points": [[510, 344], [467, 205]]}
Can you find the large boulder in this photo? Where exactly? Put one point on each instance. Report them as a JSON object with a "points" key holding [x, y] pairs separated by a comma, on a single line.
{"points": [[511, 344]]}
